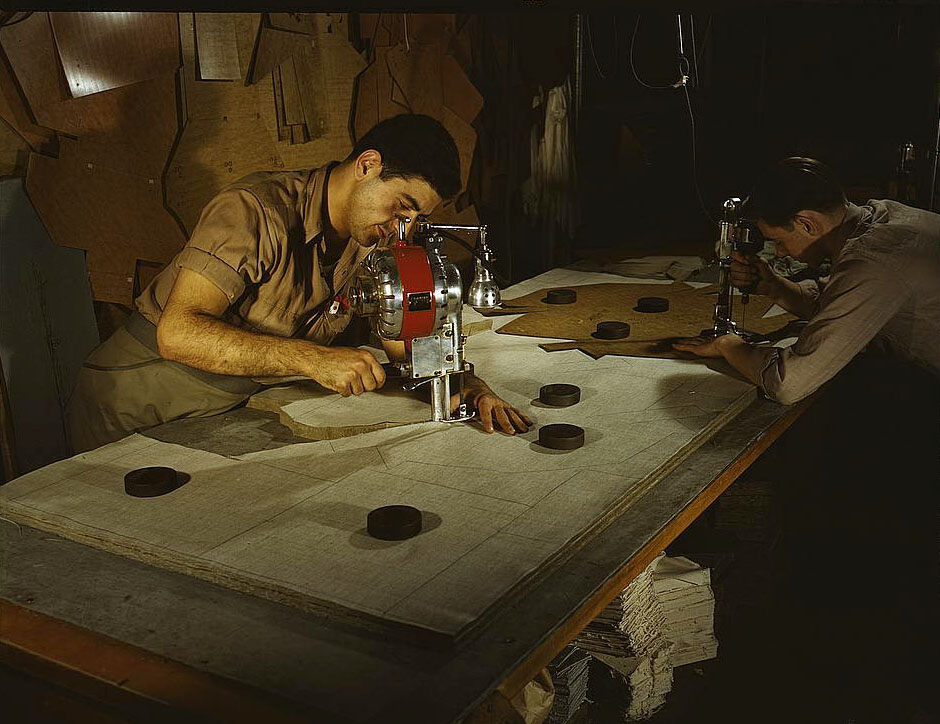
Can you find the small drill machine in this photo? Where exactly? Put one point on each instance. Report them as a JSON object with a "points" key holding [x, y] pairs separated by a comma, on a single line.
{"points": [[414, 295], [735, 233]]}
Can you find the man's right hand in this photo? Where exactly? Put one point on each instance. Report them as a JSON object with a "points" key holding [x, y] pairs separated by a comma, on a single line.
{"points": [[346, 370], [754, 274]]}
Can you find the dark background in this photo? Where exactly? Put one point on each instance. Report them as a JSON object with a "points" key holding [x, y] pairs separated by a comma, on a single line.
{"points": [[845, 84]]}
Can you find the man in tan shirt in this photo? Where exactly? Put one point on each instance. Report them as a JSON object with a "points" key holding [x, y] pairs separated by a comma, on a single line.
{"points": [[883, 292], [249, 295]]}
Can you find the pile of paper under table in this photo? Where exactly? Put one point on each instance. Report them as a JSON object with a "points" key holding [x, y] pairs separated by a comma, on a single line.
{"points": [[628, 641], [683, 590], [569, 672]]}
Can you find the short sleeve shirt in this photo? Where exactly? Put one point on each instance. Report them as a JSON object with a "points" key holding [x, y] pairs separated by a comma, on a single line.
{"points": [[261, 242]]}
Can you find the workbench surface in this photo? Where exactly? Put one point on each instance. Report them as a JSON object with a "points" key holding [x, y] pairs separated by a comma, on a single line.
{"points": [[339, 672]]}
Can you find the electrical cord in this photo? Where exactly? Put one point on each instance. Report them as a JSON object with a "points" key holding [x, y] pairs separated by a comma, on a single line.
{"points": [[590, 38], [698, 191], [500, 279], [633, 68]]}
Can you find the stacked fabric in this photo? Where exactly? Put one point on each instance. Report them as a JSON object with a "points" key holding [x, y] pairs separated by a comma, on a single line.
{"points": [[683, 591], [569, 672]]}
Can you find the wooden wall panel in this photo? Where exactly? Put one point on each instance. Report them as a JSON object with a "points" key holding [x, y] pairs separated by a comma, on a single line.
{"points": [[132, 128], [217, 45], [31, 50], [117, 216], [14, 151], [418, 81], [100, 51], [224, 138]]}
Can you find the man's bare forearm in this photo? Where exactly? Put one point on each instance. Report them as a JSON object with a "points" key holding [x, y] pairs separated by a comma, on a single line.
{"points": [[207, 343]]}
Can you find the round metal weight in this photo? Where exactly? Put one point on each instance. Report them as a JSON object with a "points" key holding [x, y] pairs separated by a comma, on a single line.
{"points": [[561, 436], [611, 330], [394, 522], [652, 304], [560, 395], [151, 482], [560, 296]]}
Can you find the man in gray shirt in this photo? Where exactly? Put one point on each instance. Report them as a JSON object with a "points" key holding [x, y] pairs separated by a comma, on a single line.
{"points": [[883, 292]]}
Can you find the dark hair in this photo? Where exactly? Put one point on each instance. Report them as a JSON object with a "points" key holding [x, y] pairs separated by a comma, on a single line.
{"points": [[414, 145], [792, 185]]}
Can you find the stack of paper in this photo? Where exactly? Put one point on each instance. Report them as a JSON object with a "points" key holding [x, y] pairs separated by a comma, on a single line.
{"points": [[639, 684], [569, 672], [631, 625], [628, 640], [683, 590]]}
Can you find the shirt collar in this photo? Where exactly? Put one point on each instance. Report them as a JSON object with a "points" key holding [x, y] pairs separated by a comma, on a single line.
{"points": [[315, 213], [856, 222]]}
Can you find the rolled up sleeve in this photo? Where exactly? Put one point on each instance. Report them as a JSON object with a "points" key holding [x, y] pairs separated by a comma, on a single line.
{"points": [[231, 245], [853, 307]]}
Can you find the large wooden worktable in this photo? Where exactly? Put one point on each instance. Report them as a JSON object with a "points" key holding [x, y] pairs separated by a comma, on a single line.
{"points": [[145, 640]]}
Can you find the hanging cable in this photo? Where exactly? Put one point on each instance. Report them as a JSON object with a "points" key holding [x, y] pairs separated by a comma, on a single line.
{"points": [[698, 191], [404, 17], [633, 68], [590, 38]]}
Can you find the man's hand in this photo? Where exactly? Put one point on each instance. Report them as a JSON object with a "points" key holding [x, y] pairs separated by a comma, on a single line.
{"points": [[708, 347], [490, 408], [345, 370], [754, 274]]}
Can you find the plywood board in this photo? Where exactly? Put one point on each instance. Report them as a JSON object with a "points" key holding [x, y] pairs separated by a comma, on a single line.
{"points": [[339, 65], [223, 140], [314, 413], [117, 160], [30, 48], [217, 46], [129, 220], [403, 80], [131, 128], [387, 29], [498, 510], [311, 83], [14, 151], [690, 311], [275, 47], [15, 111], [100, 51]]}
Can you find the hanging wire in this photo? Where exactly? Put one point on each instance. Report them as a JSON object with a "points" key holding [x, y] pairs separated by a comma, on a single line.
{"points": [[633, 68], [698, 191], [404, 17], [590, 38]]}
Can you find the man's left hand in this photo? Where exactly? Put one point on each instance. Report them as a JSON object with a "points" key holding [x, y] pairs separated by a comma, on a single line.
{"points": [[708, 347], [492, 408]]}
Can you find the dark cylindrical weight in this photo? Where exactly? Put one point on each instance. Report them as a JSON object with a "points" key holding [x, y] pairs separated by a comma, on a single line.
{"points": [[560, 296], [560, 395], [611, 330], [394, 522], [652, 304], [151, 482], [561, 436]]}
